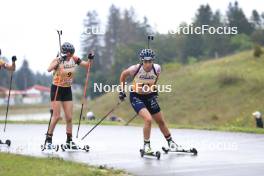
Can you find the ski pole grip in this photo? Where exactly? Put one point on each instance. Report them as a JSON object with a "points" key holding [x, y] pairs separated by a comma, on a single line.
{"points": [[91, 56], [59, 32], [14, 58]]}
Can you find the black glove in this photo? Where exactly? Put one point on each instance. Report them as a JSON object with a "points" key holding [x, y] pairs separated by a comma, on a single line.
{"points": [[91, 55], [122, 96], [14, 58], [62, 58]]}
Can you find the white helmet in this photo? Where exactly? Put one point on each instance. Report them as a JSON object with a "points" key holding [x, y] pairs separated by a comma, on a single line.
{"points": [[257, 114]]}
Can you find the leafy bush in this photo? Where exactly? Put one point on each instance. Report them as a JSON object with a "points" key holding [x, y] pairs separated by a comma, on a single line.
{"points": [[257, 51], [226, 79]]}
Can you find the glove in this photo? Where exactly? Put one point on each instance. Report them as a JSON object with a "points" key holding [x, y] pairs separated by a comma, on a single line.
{"points": [[62, 58], [14, 58], [91, 55], [122, 96]]}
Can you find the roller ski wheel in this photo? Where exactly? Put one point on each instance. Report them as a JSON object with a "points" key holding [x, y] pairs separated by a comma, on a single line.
{"points": [[141, 153], [86, 148], [7, 143], [63, 147], [42, 147], [154, 154], [158, 155], [192, 151], [73, 148], [69, 148], [49, 147]]}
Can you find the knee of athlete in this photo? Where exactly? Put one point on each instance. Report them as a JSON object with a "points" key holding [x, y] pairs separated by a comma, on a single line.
{"points": [[56, 116], [148, 121], [68, 120]]}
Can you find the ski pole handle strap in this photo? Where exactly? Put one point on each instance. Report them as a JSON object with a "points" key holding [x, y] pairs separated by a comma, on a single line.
{"points": [[14, 58], [91, 55]]}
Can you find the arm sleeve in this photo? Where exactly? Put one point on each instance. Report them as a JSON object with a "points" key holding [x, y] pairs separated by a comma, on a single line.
{"points": [[157, 68]]}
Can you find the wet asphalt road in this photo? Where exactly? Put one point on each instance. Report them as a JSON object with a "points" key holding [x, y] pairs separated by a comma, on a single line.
{"points": [[220, 153]]}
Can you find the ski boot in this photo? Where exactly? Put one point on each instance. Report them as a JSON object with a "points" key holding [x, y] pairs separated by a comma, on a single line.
{"points": [[148, 151]]}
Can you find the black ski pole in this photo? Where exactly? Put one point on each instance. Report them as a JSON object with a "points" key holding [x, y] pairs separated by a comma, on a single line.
{"points": [[59, 33], [10, 86], [150, 37], [56, 93], [131, 119], [101, 119], [90, 57]]}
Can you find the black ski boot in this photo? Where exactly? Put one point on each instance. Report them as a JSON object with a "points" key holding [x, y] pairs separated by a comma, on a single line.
{"points": [[69, 143]]}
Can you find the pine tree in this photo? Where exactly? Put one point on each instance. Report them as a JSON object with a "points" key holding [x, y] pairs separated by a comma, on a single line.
{"points": [[237, 18]]}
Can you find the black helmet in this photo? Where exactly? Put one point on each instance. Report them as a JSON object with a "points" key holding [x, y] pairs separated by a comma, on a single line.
{"points": [[67, 47]]}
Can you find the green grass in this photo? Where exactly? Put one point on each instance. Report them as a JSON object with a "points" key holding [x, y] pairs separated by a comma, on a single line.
{"points": [[18, 165], [25, 109]]}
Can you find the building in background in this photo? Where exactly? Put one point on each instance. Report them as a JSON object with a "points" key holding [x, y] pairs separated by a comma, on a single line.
{"points": [[36, 94], [2, 95], [15, 96]]}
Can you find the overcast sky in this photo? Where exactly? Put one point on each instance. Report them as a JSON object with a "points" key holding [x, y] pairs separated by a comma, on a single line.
{"points": [[28, 27]]}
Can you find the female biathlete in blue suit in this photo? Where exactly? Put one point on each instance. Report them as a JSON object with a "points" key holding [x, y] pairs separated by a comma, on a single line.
{"points": [[143, 97]]}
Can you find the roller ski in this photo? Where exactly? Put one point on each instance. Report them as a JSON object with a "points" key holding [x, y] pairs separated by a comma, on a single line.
{"points": [[146, 151], [72, 147], [173, 147], [6, 143], [48, 146]]}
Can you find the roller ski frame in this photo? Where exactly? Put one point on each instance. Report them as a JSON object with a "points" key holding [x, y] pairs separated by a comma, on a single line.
{"points": [[191, 151], [54, 147], [65, 148], [156, 154], [7, 143]]}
